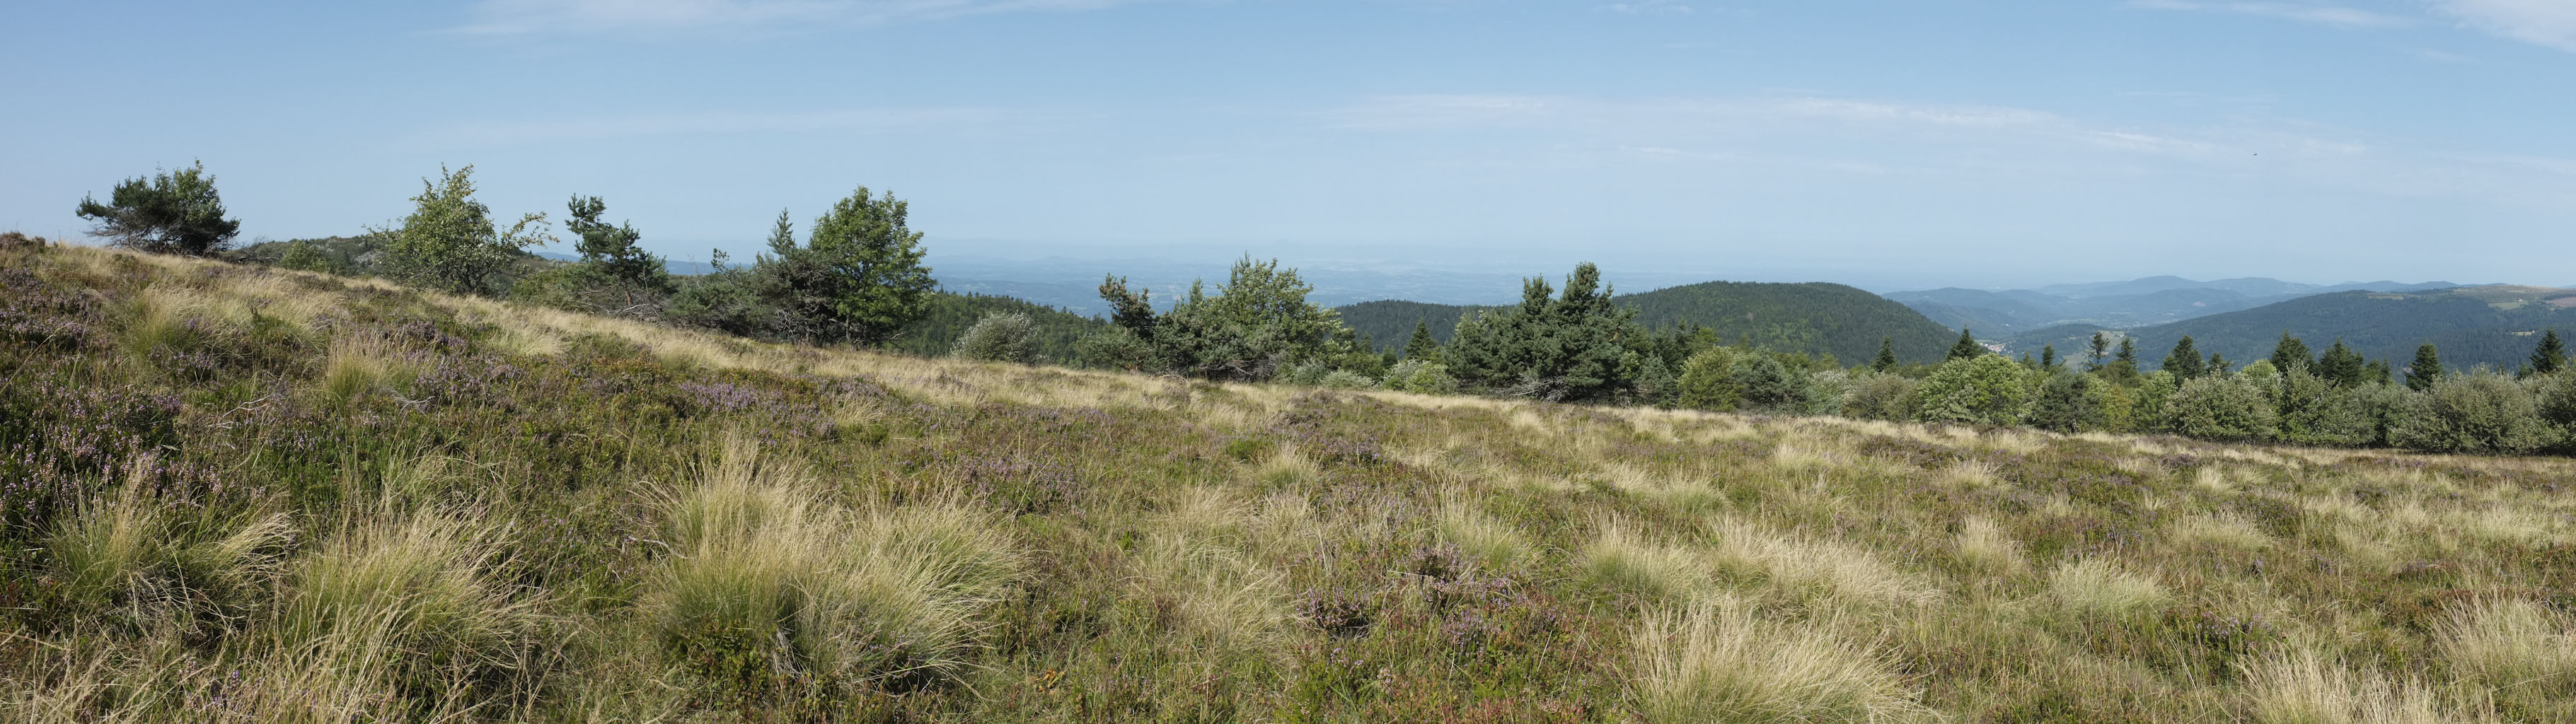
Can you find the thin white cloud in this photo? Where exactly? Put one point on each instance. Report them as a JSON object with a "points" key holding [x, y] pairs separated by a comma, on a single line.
{"points": [[1435, 111], [526, 17], [2540, 22], [657, 124], [2317, 13]]}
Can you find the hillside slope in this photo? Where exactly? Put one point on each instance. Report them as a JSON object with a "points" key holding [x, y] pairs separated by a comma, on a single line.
{"points": [[248, 495], [2485, 325], [1816, 317]]}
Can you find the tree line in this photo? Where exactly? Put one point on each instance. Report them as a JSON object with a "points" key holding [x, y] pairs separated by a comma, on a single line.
{"points": [[857, 277]]}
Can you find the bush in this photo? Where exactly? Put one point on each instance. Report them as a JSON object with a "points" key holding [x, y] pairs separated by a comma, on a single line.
{"points": [[2483, 412], [1880, 396], [1423, 376], [1000, 337], [1115, 348], [1708, 381], [2315, 412], [2220, 408], [1986, 389], [1769, 387], [1345, 380], [2066, 404]]}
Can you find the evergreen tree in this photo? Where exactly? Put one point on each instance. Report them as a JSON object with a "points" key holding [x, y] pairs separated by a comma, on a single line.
{"points": [[2065, 403], [1886, 355], [2101, 349], [2291, 354], [2426, 369], [1966, 347], [859, 276], [2342, 366], [2185, 362], [2128, 352], [1421, 346], [171, 213], [2048, 356], [2217, 365], [2550, 356], [1557, 347], [612, 250], [1133, 310]]}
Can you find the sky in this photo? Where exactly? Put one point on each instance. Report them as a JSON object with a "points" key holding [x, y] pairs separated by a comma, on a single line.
{"points": [[1890, 145]]}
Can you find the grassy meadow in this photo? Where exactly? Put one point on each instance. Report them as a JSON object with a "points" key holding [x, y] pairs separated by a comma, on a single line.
{"points": [[235, 494]]}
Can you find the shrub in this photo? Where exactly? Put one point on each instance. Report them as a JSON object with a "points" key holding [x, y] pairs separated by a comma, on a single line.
{"points": [[1767, 386], [1986, 389], [2483, 412], [2066, 404], [2316, 412], [1708, 381], [1880, 396], [1345, 380], [1000, 337], [1114, 348], [2220, 408]]}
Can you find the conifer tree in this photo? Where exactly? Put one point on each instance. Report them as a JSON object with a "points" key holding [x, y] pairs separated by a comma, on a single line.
{"points": [[1886, 355], [2217, 365], [1421, 347], [2128, 351], [2550, 356], [2426, 369], [1966, 348], [2185, 362], [175, 212], [2048, 356], [612, 250], [2101, 349], [2342, 366], [2291, 354]]}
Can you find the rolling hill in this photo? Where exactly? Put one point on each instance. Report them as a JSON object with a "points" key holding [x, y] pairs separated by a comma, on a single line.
{"points": [[2116, 305], [1815, 317], [2481, 325]]}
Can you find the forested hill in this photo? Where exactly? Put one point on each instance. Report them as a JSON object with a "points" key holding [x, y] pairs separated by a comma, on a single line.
{"points": [[1814, 317], [2492, 325]]}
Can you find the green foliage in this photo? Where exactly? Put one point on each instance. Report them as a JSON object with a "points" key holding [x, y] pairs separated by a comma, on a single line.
{"points": [[1650, 379], [728, 300], [2425, 370], [1880, 396], [1708, 381], [2066, 403], [1981, 390], [1565, 347], [1965, 348], [1886, 359], [2316, 412], [449, 241], [859, 276], [1415, 375], [1000, 337], [2477, 413], [1815, 318], [612, 251], [1421, 346], [2550, 355], [2220, 408], [1054, 332], [2185, 361], [2291, 354], [1258, 324], [2096, 350], [2148, 405], [304, 256], [173, 212], [2342, 366], [1764, 385], [1114, 348]]}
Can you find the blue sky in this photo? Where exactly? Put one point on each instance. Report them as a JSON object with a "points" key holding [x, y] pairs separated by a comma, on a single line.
{"points": [[1889, 144]]}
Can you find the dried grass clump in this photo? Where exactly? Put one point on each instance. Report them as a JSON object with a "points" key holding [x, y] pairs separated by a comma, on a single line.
{"points": [[1718, 662]]}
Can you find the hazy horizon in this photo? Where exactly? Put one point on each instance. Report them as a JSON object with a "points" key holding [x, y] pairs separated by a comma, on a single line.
{"points": [[1896, 148]]}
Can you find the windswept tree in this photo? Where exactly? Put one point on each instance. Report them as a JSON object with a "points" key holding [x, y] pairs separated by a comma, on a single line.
{"points": [[612, 251], [858, 278], [173, 212], [449, 242]]}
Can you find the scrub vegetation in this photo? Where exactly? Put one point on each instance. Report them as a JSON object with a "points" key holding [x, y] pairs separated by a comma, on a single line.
{"points": [[249, 494]]}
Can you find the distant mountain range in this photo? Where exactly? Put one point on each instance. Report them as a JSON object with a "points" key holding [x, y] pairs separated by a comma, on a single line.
{"points": [[2494, 325], [2117, 305], [1815, 317]]}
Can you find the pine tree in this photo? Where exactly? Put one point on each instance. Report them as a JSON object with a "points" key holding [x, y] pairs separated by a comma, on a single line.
{"points": [[1886, 355], [175, 212], [1966, 348], [612, 250], [2185, 362], [2217, 365], [1421, 347], [2128, 351], [2291, 354], [2048, 355], [2426, 369], [2342, 366], [2550, 356], [2101, 349]]}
